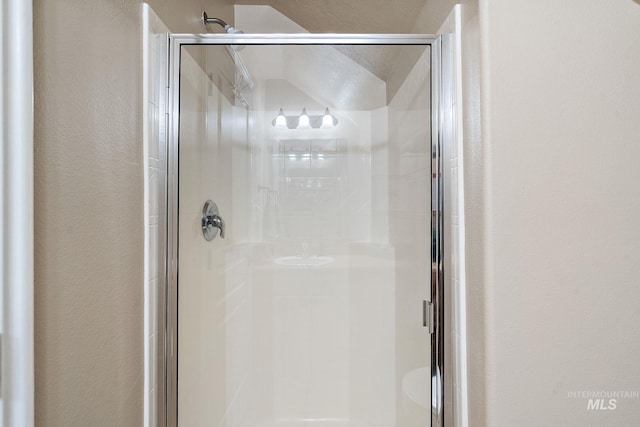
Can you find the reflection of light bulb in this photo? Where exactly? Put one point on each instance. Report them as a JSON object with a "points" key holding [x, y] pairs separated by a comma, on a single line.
{"points": [[327, 119], [280, 121], [303, 120]]}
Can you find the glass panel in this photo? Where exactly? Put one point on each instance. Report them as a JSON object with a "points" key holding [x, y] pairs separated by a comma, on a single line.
{"points": [[309, 310]]}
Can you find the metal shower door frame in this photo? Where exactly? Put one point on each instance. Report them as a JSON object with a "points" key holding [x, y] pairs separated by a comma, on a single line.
{"points": [[168, 399]]}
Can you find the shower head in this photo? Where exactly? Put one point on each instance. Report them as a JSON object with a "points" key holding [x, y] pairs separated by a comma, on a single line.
{"points": [[228, 28], [231, 30]]}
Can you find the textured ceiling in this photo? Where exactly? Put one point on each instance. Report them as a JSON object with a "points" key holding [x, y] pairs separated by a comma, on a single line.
{"points": [[348, 16]]}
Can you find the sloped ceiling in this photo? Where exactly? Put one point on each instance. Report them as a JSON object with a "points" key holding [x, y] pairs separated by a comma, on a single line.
{"points": [[348, 16], [330, 78], [358, 16]]}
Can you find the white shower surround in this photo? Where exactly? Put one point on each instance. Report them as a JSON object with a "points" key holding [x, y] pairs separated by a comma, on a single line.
{"points": [[154, 48]]}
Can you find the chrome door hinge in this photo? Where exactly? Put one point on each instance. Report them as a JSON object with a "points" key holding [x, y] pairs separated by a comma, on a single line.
{"points": [[427, 316]]}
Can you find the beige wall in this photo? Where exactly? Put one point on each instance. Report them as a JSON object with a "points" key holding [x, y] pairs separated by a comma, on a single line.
{"points": [[89, 207], [570, 65], [561, 100]]}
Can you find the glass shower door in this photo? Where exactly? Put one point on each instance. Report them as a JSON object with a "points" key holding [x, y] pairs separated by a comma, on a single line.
{"points": [[298, 300]]}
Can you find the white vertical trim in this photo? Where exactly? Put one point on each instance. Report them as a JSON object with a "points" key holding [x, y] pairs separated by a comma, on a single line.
{"points": [[460, 310], [155, 73], [17, 213], [454, 208]]}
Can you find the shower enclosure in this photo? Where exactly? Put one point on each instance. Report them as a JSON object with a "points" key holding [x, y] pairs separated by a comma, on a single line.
{"points": [[304, 275]]}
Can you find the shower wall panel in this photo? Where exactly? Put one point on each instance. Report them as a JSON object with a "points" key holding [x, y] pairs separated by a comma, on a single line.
{"points": [[372, 293], [410, 216], [214, 294], [380, 176], [372, 335]]}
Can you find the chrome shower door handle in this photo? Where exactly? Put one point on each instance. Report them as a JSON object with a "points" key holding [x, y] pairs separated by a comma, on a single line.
{"points": [[211, 221]]}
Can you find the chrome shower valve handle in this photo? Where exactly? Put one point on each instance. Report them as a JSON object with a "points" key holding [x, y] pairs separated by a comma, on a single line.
{"points": [[211, 221]]}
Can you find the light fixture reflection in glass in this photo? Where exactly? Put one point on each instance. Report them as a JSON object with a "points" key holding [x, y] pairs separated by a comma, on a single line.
{"points": [[303, 120], [327, 119], [280, 122]]}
